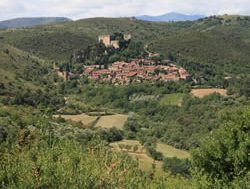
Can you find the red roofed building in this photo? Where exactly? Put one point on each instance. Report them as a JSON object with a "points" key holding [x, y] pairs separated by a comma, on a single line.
{"points": [[150, 69], [106, 80], [131, 74], [184, 74], [170, 77], [88, 70], [173, 69]]}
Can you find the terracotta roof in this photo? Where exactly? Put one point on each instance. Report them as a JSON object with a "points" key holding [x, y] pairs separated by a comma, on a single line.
{"points": [[131, 74], [170, 77], [150, 68], [106, 79], [100, 72], [120, 63], [88, 70]]}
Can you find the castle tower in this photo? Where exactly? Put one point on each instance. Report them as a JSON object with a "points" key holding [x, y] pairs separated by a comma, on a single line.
{"points": [[115, 44], [105, 39], [127, 37]]}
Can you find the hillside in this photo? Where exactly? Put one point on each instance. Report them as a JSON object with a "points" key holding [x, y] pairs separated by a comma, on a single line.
{"points": [[57, 42], [212, 46], [26, 79], [219, 44], [30, 22], [170, 17], [19, 67]]}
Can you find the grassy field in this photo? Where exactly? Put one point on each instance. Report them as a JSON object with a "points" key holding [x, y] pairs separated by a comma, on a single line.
{"points": [[138, 153], [117, 121], [83, 118], [109, 121], [170, 151], [172, 99], [146, 163], [205, 92]]}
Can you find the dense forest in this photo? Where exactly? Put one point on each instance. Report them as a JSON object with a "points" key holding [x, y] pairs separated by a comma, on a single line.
{"points": [[39, 150]]}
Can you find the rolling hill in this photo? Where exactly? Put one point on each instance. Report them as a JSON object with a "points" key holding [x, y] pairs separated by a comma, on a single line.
{"points": [[18, 67], [58, 41], [170, 17], [211, 47], [30, 22]]}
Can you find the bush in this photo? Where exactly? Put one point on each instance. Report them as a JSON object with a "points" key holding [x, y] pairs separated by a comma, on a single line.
{"points": [[154, 154], [3, 134], [111, 135], [223, 160], [176, 166], [68, 164]]}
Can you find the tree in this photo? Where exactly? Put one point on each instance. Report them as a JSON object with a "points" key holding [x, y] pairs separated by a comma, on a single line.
{"points": [[7, 51], [154, 154], [223, 160], [3, 134], [111, 135], [244, 87], [176, 166], [115, 135]]}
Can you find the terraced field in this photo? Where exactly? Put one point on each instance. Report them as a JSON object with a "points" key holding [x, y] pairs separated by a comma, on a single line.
{"points": [[205, 92], [117, 121], [85, 119], [170, 151], [138, 153], [106, 121]]}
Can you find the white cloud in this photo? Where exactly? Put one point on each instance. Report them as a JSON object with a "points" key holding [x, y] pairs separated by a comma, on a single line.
{"points": [[116, 8]]}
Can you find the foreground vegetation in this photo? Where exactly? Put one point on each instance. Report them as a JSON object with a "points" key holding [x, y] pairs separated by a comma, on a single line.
{"points": [[36, 153], [42, 156]]}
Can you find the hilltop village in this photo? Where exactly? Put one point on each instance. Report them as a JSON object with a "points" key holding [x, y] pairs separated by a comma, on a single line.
{"points": [[137, 70]]}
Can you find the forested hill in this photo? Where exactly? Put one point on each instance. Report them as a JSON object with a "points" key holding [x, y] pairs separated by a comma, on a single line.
{"points": [[170, 17], [221, 42], [210, 48], [58, 41], [29, 22]]}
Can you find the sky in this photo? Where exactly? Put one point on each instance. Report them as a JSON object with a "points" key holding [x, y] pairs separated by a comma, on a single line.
{"points": [[76, 9]]}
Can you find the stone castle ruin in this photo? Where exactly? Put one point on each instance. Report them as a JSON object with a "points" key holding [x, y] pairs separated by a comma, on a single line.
{"points": [[109, 40]]}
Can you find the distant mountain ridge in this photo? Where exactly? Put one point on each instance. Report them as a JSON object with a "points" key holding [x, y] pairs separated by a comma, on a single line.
{"points": [[169, 17], [30, 22]]}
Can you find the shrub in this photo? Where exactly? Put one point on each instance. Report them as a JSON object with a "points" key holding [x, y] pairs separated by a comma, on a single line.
{"points": [[176, 166]]}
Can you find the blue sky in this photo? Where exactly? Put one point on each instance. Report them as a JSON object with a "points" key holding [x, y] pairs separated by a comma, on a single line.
{"points": [[77, 9]]}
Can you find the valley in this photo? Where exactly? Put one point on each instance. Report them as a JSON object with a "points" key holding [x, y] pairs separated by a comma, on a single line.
{"points": [[125, 103]]}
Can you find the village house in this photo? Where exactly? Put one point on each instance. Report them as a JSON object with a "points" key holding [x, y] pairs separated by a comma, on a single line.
{"points": [[170, 77], [184, 74]]}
